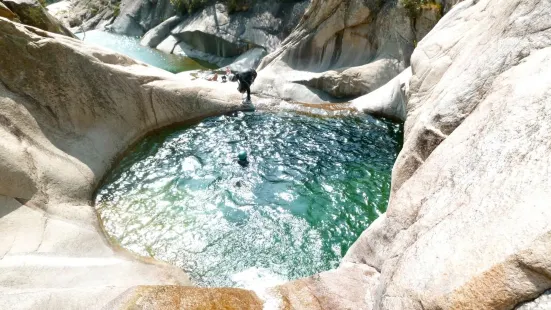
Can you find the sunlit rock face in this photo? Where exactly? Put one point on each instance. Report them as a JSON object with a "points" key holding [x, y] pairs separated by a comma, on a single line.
{"points": [[344, 49], [468, 220], [468, 223], [66, 110]]}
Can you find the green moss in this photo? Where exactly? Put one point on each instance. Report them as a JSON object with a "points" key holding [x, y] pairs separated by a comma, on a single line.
{"points": [[237, 5], [415, 7], [233, 6], [35, 17], [116, 9], [189, 6]]}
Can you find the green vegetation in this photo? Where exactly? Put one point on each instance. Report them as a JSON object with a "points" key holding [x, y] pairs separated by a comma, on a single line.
{"points": [[35, 17], [415, 7], [190, 6], [238, 5], [117, 9]]}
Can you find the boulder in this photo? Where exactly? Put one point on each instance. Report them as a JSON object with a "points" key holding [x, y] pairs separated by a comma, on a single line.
{"points": [[7, 13], [173, 45], [354, 46], [215, 33], [355, 81], [156, 35], [32, 13], [389, 100], [248, 60], [135, 18], [468, 224], [265, 24], [351, 286], [60, 10], [188, 298], [67, 111], [127, 17]]}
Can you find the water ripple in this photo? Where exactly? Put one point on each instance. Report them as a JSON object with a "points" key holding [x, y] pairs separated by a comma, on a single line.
{"points": [[311, 187]]}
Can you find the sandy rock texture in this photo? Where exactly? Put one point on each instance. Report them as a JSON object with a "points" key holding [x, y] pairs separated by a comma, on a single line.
{"points": [[468, 225], [67, 110], [156, 35], [211, 33], [81, 16], [389, 101], [186, 298], [7, 13]]}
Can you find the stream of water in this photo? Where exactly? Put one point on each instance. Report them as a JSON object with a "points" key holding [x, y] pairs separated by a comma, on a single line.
{"points": [[130, 46]]}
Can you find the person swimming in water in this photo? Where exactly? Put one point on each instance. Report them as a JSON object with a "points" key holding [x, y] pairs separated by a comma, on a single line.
{"points": [[245, 79]]}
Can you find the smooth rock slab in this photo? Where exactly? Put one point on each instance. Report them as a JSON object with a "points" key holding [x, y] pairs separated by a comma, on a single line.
{"points": [[350, 48], [156, 35], [389, 100], [468, 224], [67, 118], [248, 60]]}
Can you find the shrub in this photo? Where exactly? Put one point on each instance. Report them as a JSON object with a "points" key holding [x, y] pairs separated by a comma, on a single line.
{"points": [[189, 6], [117, 9], [414, 7], [237, 5]]}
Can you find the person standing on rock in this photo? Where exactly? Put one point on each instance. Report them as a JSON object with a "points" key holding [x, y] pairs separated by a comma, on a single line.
{"points": [[245, 79]]}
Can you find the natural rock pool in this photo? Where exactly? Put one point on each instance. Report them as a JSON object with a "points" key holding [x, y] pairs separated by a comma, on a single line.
{"points": [[311, 187], [130, 46]]}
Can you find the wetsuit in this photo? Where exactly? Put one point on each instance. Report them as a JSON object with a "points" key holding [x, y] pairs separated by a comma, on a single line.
{"points": [[246, 79]]}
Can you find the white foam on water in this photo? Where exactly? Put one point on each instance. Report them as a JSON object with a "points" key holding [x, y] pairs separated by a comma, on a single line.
{"points": [[260, 280], [257, 278]]}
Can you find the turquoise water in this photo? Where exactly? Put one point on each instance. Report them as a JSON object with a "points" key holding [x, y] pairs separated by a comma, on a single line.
{"points": [[311, 187], [130, 46]]}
